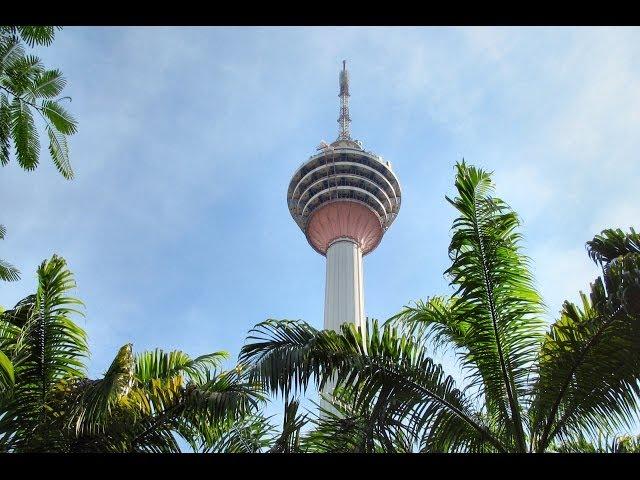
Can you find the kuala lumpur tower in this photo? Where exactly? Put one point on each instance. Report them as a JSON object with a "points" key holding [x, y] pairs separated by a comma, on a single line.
{"points": [[344, 199]]}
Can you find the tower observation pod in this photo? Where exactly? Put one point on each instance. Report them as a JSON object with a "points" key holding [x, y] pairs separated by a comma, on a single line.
{"points": [[344, 199]]}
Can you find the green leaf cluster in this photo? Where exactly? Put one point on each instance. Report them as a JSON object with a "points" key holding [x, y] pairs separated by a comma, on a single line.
{"points": [[28, 91], [143, 403]]}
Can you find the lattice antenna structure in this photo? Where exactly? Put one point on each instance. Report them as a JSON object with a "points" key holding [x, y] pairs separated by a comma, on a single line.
{"points": [[344, 120]]}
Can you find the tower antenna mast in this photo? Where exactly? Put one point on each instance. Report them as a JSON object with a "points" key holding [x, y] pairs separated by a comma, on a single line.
{"points": [[344, 120]]}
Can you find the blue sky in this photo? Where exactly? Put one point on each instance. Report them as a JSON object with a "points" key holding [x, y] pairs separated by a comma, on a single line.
{"points": [[177, 227]]}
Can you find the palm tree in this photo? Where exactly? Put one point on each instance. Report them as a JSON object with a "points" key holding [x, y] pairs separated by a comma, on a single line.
{"points": [[526, 389], [143, 403]]}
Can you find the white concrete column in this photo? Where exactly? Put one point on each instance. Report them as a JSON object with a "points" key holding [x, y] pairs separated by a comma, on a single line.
{"points": [[344, 291]]}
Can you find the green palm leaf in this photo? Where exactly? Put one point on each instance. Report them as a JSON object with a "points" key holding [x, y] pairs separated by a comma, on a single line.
{"points": [[250, 434], [8, 272], [49, 349], [165, 365], [589, 364], [387, 366], [95, 401], [7, 377], [37, 34], [495, 297], [289, 439], [346, 426], [20, 75], [611, 244], [26, 81]]}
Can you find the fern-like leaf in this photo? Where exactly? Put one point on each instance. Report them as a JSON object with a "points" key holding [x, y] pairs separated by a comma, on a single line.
{"points": [[25, 135], [59, 152], [59, 117]]}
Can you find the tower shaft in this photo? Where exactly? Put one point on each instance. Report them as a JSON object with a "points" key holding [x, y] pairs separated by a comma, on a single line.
{"points": [[344, 295], [344, 292]]}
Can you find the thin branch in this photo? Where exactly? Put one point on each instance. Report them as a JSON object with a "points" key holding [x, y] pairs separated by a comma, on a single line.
{"points": [[21, 98]]}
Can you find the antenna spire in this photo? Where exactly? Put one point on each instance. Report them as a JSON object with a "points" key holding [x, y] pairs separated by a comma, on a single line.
{"points": [[344, 120]]}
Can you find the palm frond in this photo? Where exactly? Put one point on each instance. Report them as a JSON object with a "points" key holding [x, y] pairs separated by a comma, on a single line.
{"points": [[589, 364], [610, 244], [289, 439], [7, 377], [227, 395], [37, 34], [93, 406], [495, 297], [386, 367], [250, 434], [20, 75], [159, 364], [8, 272], [344, 426], [287, 355], [20, 314], [433, 321], [603, 444]]}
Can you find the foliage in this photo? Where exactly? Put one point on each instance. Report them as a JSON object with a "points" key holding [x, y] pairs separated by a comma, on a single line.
{"points": [[28, 90], [143, 403], [525, 389], [8, 272], [258, 434], [615, 444]]}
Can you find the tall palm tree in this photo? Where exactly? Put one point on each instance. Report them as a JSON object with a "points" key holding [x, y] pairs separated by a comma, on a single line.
{"points": [[526, 388], [142, 403]]}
